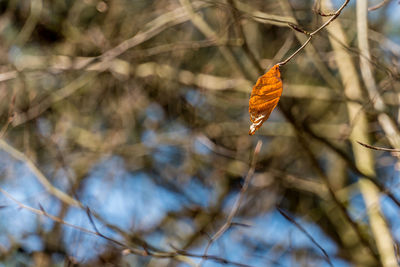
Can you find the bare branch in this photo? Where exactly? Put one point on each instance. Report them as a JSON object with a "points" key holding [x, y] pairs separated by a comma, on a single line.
{"points": [[333, 17]]}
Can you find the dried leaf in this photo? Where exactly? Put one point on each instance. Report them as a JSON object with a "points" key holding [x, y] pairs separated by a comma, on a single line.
{"points": [[264, 97]]}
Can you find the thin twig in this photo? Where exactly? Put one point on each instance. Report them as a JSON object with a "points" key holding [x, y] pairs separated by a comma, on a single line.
{"points": [[377, 6], [379, 148], [297, 28], [210, 257], [311, 34], [317, 9], [287, 217], [238, 201]]}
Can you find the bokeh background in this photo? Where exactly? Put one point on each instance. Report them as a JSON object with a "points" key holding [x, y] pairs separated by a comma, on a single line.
{"points": [[130, 119]]}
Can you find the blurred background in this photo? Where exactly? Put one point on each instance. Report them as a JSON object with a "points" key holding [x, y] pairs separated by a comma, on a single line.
{"points": [[129, 119]]}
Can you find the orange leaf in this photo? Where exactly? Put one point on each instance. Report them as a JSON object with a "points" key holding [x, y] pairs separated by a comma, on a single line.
{"points": [[264, 97]]}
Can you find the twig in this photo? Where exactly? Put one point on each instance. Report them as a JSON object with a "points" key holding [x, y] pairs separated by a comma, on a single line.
{"points": [[202, 138], [297, 28], [377, 6], [287, 217], [317, 9], [210, 257], [238, 201], [379, 148], [311, 34]]}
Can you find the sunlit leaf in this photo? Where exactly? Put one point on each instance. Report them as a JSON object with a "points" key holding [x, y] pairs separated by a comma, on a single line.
{"points": [[264, 97]]}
